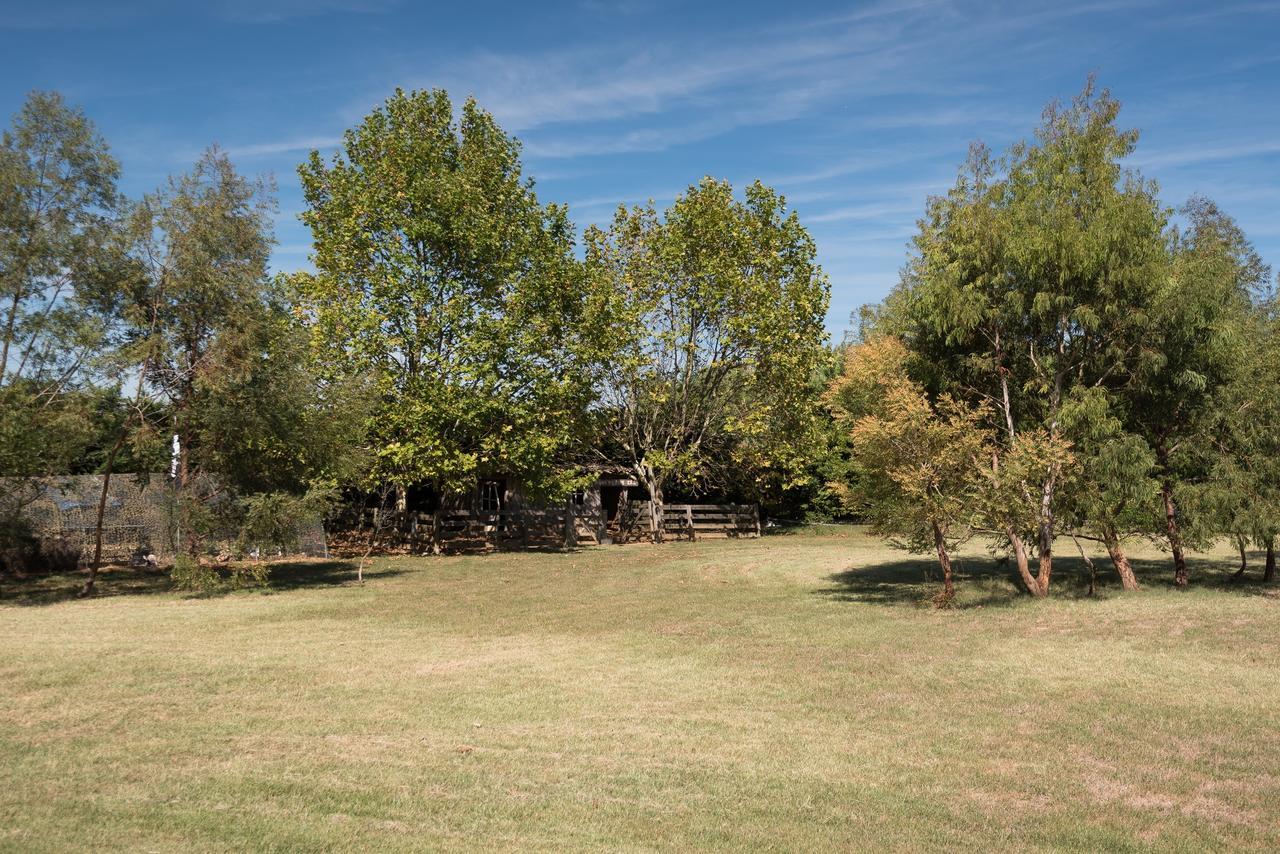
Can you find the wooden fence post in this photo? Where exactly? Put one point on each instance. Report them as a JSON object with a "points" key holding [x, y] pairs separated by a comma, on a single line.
{"points": [[688, 518]]}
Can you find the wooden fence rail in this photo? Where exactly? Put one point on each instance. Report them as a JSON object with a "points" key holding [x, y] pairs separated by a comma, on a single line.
{"points": [[691, 521], [461, 530]]}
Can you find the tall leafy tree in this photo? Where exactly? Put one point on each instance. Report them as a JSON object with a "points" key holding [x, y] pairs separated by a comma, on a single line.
{"points": [[1030, 287], [718, 308], [442, 279], [58, 206], [1198, 354], [200, 247]]}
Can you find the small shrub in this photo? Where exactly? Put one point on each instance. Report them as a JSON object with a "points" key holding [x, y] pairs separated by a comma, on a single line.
{"points": [[19, 548], [190, 574], [248, 575]]}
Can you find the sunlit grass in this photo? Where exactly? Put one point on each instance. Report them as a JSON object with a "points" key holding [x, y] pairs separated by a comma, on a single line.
{"points": [[784, 693]]}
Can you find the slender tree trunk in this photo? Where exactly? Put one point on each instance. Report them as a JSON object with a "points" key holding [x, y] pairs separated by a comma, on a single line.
{"points": [[1270, 573], [96, 563], [1180, 577], [110, 466], [1020, 560], [9, 327], [1244, 560], [653, 483], [944, 560], [1088, 561], [1120, 560]]}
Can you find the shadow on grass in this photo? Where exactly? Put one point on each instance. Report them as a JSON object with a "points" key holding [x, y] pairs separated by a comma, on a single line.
{"points": [[135, 581], [983, 582]]}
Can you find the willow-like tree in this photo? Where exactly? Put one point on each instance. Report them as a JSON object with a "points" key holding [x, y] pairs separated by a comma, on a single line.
{"points": [[1188, 401], [718, 308], [1031, 285], [443, 280], [918, 466]]}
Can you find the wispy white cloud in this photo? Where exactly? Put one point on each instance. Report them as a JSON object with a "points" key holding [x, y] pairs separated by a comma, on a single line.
{"points": [[286, 146], [1205, 153], [876, 211]]}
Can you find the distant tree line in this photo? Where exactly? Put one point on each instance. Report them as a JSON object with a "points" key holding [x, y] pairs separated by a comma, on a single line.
{"points": [[1064, 358], [450, 329]]}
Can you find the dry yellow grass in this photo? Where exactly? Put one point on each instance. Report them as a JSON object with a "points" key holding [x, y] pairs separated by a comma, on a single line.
{"points": [[788, 693]]}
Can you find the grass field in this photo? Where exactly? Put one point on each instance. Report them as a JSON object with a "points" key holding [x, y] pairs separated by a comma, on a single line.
{"points": [[788, 693]]}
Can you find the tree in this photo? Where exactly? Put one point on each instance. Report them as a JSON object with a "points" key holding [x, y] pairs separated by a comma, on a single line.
{"points": [[718, 309], [1116, 487], [1231, 483], [442, 280], [200, 246], [1195, 354], [58, 203], [918, 465], [1030, 287]]}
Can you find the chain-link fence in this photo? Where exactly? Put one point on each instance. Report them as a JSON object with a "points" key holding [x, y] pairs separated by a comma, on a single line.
{"points": [[142, 521]]}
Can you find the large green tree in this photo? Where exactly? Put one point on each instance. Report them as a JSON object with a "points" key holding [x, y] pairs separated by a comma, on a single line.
{"points": [[443, 280], [58, 207], [1187, 398], [718, 308], [199, 248], [1031, 288]]}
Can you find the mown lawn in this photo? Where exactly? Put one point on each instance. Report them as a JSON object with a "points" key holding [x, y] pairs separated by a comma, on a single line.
{"points": [[788, 693]]}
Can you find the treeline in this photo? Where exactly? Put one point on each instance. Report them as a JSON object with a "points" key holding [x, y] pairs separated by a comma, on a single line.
{"points": [[1063, 359], [450, 329]]}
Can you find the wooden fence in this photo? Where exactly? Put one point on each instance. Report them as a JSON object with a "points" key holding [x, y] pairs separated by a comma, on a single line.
{"points": [[690, 521], [462, 531]]}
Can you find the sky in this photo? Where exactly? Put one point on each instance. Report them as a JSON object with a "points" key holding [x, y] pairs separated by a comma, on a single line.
{"points": [[855, 111]]}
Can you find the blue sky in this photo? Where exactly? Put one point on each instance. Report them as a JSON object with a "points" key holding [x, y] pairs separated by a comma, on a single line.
{"points": [[856, 111]]}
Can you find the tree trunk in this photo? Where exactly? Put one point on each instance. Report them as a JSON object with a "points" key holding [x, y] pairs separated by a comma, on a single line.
{"points": [[1045, 570], [1120, 560], [102, 510], [653, 482], [570, 525], [944, 560], [1244, 560], [1088, 561], [1270, 573], [1180, 577], [1020, 559]]}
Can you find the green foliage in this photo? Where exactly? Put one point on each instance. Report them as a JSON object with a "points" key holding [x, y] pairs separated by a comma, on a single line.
{"points": [[445, 284], [57, 205], [190, 574], [1202, 366], [274, 520], [918, 466], [718, 308], [1032, 290], [57, 200]]}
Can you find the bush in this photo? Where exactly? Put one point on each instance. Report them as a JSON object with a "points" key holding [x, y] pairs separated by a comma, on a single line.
{"points": [[190, 574], [19, 547]]}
